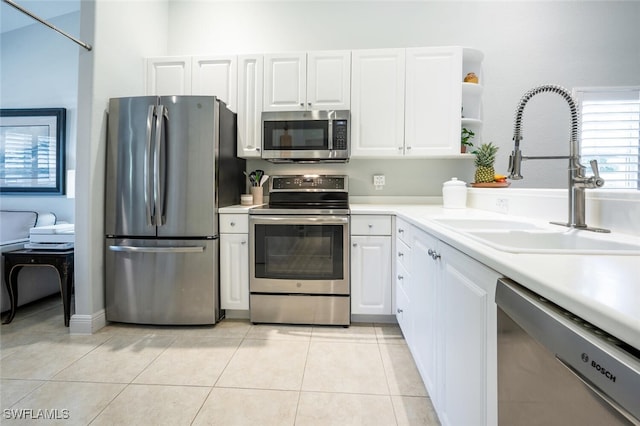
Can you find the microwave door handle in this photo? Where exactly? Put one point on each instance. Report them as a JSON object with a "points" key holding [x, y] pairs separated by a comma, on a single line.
{"points": [[148, 184], [330, 135]]}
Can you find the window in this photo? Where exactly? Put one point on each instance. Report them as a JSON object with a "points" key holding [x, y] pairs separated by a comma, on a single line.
{"points": [[611, 133]]}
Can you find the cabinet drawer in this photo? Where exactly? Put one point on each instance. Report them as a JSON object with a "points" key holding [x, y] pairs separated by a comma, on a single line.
{"points": [[234, 223], [402, 278], [403, 231], [370, 225], [403, 254]]}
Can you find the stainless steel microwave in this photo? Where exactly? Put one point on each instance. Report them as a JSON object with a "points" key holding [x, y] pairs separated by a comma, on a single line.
{"points": [[306, 136]]}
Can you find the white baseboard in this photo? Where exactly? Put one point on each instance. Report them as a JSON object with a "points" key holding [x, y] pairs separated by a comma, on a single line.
{"points": [[87, 324]]}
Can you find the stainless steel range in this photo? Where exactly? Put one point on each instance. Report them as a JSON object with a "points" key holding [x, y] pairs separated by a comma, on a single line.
{"points": [[299, 252]]}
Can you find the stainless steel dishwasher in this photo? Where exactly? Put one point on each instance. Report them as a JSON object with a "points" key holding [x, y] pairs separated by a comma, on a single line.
{"points": [[556, 369]]}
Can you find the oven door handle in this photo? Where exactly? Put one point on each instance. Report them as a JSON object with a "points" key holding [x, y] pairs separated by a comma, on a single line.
{"points": [[301, 220]]}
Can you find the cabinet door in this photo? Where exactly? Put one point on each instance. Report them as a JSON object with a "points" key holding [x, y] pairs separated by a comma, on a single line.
{"points": [[433, 101], [234, 271], [328, 80], [425, 276], [371, 275], [377, 103], [285, 82], [217, 76], [468, 351], [168, 76], [250, 78]]}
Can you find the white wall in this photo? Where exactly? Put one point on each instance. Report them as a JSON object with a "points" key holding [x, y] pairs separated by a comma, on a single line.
{"points": [[39, 69], [122, 33], [526, 43]]}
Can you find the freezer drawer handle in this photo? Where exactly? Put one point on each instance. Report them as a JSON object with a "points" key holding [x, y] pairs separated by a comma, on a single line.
{"points": [[133, 249]]}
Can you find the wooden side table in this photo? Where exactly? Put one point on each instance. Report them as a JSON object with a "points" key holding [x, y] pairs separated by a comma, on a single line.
{"points": [[61, 261]]}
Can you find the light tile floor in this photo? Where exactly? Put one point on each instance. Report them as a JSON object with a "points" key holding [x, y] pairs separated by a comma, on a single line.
{"points": [[234, 373]]}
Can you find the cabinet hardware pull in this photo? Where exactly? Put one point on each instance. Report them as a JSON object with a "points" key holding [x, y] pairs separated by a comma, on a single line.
{"points": [[398, 310], [400, 230], [232, 224], [400, 277], [355, 244], [400, 254], [434, 255]]}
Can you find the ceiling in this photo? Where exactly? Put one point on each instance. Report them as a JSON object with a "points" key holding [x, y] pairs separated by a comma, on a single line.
{"points": [[11, 18]]}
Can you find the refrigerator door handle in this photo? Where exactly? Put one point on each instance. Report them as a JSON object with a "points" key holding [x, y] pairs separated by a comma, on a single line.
{"points": [[148, 184], [164, 119], [179, 249], [157, 183]]}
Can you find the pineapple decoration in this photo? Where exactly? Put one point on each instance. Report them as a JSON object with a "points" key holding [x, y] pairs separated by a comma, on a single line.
{"points": [[485, 157]]}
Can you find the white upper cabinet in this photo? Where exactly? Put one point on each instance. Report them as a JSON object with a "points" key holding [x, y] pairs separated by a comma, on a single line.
{"points": [[433, 100], [329, 80], [197, 75], [413, 102], [168, 76], [377, 103], [301, 81], [250, 78], [216, 75], [285, 82]]}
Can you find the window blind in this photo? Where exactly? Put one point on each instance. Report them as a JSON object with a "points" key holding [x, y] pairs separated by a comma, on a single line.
{"points": [[610, 133], [28, 161]]}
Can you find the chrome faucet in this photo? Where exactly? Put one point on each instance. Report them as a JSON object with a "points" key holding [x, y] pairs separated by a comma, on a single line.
{"points": [[578, 180]]}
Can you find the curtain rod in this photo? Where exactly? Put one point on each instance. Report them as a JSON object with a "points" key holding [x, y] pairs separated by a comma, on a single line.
{"points": [[42, 21]]}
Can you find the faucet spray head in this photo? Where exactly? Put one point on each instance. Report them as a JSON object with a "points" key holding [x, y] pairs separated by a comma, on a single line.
{"points": [[515, 161]]}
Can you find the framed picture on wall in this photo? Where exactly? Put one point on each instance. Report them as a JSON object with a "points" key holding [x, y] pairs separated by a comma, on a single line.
{"points": [[32, 151]]}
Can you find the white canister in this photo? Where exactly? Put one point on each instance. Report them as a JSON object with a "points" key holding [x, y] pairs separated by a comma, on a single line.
{"points": [[454, 194], [246, 199]]}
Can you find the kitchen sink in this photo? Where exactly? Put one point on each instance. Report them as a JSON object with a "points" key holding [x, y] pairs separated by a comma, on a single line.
{"points": [[484, 224], [556, 242]]}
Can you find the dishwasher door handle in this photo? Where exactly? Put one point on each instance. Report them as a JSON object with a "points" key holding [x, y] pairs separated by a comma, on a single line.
{"points": [[597, 391]]}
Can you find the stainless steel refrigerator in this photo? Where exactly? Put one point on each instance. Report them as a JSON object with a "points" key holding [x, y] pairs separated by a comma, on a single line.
{"points": [[171, 163]]}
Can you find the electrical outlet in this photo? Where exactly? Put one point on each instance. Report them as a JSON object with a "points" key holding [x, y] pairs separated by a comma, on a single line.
{"points": [[502, 205], [378, 180]]}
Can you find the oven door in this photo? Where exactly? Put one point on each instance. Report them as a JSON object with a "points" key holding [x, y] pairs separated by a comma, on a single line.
{"points": [[298, 254]]}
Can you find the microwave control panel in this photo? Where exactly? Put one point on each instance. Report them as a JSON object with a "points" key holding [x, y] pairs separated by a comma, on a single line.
{"points": [[340, 130]]}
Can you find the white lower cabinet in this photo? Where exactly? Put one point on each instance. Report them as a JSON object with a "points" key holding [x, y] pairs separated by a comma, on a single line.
{"points": [[423, 297], [234, 261], [234, 271], [447, 313], [371, 275], [468, 342], [371, 292]]}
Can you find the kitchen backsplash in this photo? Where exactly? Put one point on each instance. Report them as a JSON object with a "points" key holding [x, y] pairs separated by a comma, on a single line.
{"points": [[615, 210]]}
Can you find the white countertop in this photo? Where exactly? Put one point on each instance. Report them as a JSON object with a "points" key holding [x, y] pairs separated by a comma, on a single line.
{"points": [[236, 209], [602, 289]]}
